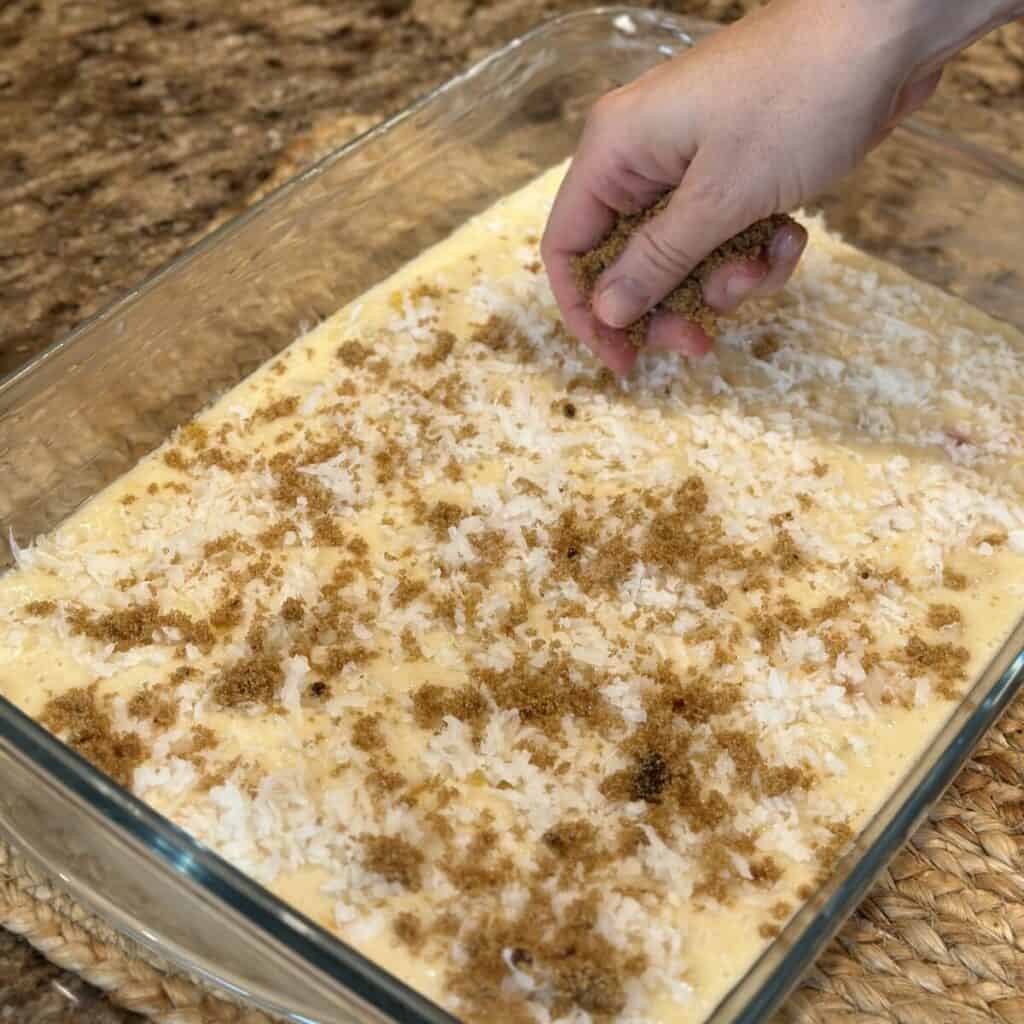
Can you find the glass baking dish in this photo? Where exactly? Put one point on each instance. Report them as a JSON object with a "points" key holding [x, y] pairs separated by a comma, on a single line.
{"points": [[85, 410]]}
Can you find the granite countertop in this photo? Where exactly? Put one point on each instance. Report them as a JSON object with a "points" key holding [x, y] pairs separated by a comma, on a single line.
{"points": [[129, 127]]}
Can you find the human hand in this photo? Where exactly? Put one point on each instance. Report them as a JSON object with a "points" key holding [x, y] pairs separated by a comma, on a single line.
{"points": [[756, 120]]}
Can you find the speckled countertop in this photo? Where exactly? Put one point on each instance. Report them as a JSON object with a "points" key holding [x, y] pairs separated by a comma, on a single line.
{"points": [[128, 127]]}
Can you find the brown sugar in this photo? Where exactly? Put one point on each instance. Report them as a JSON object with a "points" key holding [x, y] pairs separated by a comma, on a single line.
{"points": [[432, 704], [565, 954], [394, 860], [443, 516], [764, 348], [366, 734], [408, 929], [444, 344], [407, 591], [278, 409], [160, 710], [40, 609], [945, 662], [78, 717], [953, 580], [252, 680], [687, 299], [125, 629], [353, 354], [942, 615]]}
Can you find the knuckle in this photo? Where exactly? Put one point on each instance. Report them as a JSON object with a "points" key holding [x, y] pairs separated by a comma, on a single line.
{"points": [[663, 253], [717, 196], [609, 186]]}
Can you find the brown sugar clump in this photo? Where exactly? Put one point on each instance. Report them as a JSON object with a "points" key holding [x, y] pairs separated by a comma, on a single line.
{"points": [[40, 609], [125, 629], [408, 929], [366, 734], [946, 662], [687, 299], [353, 354], [150, 706], [764, 348], [431, 704], [88, 729], [941, 615], [444, 343], [253, 680], [278, 409], [394, 860], [443, 516], [953, 580], [407, 591], [651, 777]]}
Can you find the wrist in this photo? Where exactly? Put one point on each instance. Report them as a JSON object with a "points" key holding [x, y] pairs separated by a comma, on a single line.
{"points": [[930, 32]]}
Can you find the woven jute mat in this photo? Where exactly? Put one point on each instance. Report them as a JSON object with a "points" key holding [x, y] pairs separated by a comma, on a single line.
{"points": [[939, 940]]}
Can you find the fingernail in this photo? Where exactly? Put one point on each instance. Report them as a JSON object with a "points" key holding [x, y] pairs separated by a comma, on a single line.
{"points": [[741, 285], [622, 302], [785, 246]]}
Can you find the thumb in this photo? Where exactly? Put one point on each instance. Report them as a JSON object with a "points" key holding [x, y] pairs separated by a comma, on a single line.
{"points": [[705, 211]]}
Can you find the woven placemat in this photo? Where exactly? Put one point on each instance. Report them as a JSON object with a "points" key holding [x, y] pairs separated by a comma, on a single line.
{"points": [[940, 939]]}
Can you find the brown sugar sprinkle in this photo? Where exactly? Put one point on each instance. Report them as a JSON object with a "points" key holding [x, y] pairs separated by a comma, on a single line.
{"points": [[353, 354], [764, 348], [574, 841], [366, 734], [953, 580], [996, 539], [431, 704], [225, 543], [203, 738], [942, 615], [788, 554], [767, 930], [40, 609], [175, 460], [566, 956], [443, 516], [253, 680], [129, 499], [394, 860], [318, 690], [78, 717], [278, 409], [160, 710], [443, 345], [407, 591], [945, 662], [544, 695], [135, 626], [410, 645], [829, 852], [781, 910], [409, 930], [293, 609]]}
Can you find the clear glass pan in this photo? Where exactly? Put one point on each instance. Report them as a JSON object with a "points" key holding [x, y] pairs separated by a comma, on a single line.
{"points": [[89, 407]]}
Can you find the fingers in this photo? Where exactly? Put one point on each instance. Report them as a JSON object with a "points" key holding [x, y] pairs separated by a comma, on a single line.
{"points": [[669, 332], [731, 284], [728, 285], [595, 191], [703, 213], [784, 252]]}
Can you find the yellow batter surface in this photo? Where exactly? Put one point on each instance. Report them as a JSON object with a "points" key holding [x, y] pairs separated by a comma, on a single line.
{"points": [[555, 695]]}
